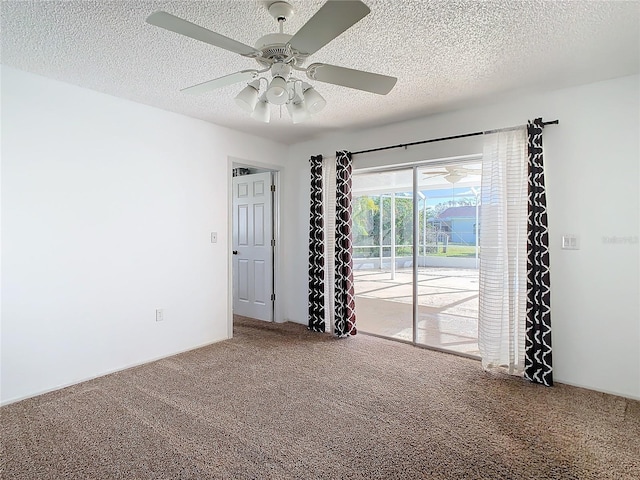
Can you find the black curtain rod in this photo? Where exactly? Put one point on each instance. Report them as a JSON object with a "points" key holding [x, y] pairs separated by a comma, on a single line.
{"points": [[464, 135]]}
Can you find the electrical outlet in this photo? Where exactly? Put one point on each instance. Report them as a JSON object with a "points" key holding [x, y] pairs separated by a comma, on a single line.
{"points": [[159, 315], [214, 237]]}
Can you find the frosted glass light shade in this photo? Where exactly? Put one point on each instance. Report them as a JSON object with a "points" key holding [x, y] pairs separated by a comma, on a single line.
{"points": [[297, 112], [247, 98], [262, 112], [454, 177], [314, 101], [277, 92]]}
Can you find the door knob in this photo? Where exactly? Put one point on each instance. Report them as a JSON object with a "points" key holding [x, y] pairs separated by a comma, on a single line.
{"points": [[235, 252]]}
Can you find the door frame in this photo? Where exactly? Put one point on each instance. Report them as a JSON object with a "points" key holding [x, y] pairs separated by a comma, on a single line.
{"points": [[277, 171]]}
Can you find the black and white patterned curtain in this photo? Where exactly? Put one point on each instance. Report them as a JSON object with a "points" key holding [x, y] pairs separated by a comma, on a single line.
{"points": [[538, 366], [345, 307], [316, 248]]}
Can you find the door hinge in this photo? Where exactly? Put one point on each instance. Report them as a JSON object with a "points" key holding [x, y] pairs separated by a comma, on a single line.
{"points": [[273, 188], [273, 242], [273, 296]]}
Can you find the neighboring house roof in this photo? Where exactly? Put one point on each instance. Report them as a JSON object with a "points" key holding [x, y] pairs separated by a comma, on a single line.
{"points": [[457, 212]]}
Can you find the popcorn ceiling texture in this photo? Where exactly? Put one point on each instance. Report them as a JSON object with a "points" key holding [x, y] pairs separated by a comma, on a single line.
{"points": [[446, 54]]}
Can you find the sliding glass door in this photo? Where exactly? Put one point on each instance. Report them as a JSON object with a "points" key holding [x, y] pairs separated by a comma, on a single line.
{"points": [[415, 254], [383, 253]]}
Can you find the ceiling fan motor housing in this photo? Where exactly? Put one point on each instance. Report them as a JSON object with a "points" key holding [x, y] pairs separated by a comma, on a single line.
{"points": [[274, 45], [274, 48]]}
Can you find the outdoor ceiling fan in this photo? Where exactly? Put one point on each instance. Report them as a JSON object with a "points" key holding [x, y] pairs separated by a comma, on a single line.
{"points": [[453, 174], [283, 55]]}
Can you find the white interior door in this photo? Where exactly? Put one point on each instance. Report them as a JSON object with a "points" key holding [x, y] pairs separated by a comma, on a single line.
{"points": [[252, 249]]}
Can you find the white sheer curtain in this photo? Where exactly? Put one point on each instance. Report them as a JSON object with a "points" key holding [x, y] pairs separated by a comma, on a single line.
{"points": [[503, 251], [329, 205]]}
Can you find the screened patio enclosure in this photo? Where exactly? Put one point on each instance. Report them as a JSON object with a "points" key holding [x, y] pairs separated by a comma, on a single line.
{"points": [[415, 253]]}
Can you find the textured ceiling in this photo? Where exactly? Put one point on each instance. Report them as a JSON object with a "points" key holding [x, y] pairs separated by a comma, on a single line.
{"points": [[446, 54]]}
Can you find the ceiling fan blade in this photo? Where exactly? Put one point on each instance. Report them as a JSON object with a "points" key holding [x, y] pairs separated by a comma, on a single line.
{"points": [[333, 18], [175, 24], [347, 77], [244, 75]]}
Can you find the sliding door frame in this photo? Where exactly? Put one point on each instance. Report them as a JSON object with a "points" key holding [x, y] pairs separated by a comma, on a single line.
{"points": [[415, 166], [415, 250]]}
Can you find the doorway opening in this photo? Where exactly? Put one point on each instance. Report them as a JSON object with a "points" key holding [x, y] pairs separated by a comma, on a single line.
{"points": [[254, 242], [416, 254]]}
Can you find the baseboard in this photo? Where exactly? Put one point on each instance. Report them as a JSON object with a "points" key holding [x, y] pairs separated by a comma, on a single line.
{"points": [[600, 390], [108, 372]]}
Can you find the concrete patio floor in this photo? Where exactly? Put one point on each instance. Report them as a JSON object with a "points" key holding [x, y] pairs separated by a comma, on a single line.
{"points": [[447, 306]]}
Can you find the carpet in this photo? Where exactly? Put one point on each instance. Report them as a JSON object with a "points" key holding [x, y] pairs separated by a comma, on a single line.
{"points": [[280, 402]]}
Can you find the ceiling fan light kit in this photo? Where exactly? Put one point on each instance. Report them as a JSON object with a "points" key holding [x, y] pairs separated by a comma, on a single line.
{"points": [[454, 177], [453, 174], [262, 112], [315, 102], [281, 55], [278, 92], [297, 112], [247, 99]]}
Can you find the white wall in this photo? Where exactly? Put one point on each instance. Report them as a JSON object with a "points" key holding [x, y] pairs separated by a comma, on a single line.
{"points": [[107, 209], [592, 171]]}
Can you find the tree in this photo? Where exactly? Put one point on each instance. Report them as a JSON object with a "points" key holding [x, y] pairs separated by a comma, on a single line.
{"points": [[364, 210]]}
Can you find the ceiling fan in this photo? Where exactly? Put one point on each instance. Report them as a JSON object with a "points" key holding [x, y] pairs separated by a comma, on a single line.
{"points": [[453, 174], [283, 55]]}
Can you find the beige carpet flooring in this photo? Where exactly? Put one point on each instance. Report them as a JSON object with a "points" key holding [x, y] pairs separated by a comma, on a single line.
{"points": [[280, 402]]}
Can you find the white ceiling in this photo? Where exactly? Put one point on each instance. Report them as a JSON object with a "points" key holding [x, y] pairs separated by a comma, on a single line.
{"points": [[446, 54]]}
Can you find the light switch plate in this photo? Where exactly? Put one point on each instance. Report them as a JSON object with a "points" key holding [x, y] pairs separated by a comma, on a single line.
{"points": [[214, 237], [570, 242]]}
